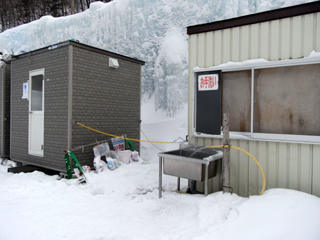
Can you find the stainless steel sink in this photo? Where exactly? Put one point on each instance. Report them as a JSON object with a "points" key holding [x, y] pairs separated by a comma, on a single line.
{"points": [[190, 162]]}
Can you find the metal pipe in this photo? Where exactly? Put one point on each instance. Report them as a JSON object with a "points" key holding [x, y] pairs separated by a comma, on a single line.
{"points": [[206, 179], [3, 108], [88, 145], [197, 151], [160, 177]]}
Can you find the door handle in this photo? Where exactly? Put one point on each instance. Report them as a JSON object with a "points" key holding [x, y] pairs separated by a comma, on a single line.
{"points": [[30, 112]]}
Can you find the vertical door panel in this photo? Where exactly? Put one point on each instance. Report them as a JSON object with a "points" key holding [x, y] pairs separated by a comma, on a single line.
{"points": [[36, 112]]}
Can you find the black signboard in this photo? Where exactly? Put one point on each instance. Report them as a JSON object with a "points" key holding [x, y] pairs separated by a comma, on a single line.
{"points": [[208, 102]]}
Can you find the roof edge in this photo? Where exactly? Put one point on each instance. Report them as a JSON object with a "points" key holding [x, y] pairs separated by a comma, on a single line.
{"points": [[80, 45], [276, 14], [113, 54]]}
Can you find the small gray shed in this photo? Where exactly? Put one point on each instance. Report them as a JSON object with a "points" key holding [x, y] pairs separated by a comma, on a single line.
{"points": [[56, 87]]}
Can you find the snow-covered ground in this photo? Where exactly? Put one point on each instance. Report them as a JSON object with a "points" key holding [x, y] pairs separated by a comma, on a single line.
{"points": [[124, 203]]}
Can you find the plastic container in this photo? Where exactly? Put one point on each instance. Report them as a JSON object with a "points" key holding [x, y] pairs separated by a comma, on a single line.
{"points": [[124, 156]]}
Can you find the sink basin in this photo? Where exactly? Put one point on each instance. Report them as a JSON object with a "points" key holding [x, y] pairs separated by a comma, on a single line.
{"points": [[190, 162]]}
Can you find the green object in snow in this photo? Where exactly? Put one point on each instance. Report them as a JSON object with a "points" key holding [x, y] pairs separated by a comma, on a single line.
{"points": [[72, 162], [130, 147]]}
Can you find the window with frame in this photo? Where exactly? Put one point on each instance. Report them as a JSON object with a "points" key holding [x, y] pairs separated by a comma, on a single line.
{"points": [[280, 101], [287, 100]]}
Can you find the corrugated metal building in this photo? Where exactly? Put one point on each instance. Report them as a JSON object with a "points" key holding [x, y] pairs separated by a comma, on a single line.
{"points": [[273, 105]]}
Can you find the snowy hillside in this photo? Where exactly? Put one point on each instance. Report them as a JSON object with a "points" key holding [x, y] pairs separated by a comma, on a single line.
{"points": [[150, 30]]}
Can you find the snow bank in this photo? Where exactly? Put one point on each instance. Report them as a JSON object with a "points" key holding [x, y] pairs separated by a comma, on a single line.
{"points": [[124, 204]]}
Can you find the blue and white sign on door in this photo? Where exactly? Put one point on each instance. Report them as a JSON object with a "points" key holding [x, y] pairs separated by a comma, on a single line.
{"points": [[25, 91]]}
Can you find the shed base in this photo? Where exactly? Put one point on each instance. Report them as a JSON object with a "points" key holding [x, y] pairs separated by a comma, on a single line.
{"points": [[30, 168]]}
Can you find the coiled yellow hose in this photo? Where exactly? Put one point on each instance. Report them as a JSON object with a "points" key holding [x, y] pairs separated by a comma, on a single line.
{"points": [[242, 150]]}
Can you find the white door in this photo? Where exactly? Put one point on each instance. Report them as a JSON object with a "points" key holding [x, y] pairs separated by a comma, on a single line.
{"points": [[36, 112]]}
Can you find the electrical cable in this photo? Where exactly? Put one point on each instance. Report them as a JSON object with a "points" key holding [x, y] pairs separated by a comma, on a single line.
{"points": [[150, 141], [112, 135]]}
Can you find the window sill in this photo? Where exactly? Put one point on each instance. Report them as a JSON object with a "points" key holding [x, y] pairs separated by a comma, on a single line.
{"points": [[289, 138]]}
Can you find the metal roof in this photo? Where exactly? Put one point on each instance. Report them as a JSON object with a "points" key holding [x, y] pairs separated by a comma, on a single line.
{"points": [[256, 18]]}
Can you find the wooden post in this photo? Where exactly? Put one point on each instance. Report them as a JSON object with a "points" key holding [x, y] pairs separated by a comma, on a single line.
{"points": [[226, 153]]}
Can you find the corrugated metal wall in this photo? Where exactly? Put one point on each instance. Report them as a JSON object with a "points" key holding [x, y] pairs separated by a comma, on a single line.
{"points": [[287, 165]]}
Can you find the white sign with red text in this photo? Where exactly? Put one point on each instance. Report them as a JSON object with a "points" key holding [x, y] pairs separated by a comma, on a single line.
{"points": [[208, 82]]}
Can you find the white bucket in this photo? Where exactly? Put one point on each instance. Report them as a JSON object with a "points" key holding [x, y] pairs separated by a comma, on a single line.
{"points": [[124, 156]]}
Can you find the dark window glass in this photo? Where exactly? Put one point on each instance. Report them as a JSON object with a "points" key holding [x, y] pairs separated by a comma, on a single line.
{"points": [[287, 100], [236, 99]]}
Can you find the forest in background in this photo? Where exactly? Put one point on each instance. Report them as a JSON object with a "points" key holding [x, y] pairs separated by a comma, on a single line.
{"points": [[16, 12]]}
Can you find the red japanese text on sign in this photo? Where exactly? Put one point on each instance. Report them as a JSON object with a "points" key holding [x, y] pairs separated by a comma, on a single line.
{"points": [[208, 82]]}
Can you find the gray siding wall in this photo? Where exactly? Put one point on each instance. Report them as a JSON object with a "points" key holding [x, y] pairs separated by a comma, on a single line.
{"points": [[103, 98], [5, 75], [55, 63], [287, 165]]}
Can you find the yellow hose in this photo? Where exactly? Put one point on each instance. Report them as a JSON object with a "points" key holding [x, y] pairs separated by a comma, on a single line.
{"points": [[111, 135], [242, 150], [219, 146]]}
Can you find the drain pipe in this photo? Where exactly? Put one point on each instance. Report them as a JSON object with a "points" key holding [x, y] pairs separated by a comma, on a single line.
{"points": [[209, 159], [4, 61], [192, 188], [193, 183], [3, 100]]}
